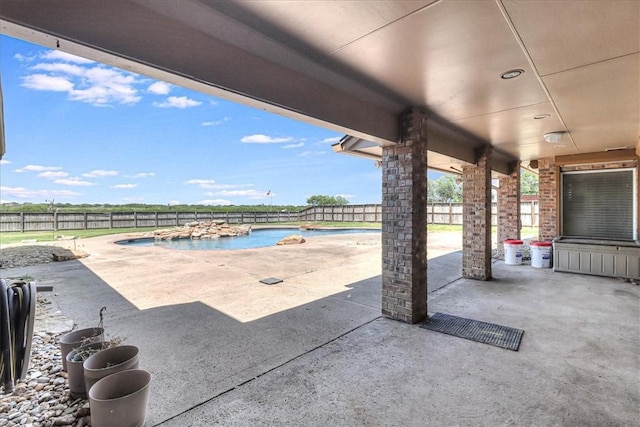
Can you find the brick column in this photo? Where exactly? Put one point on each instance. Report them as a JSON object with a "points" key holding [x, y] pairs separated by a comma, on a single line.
{"points": [[508, 208], [476, 222], [404, 222], [548, 207]]}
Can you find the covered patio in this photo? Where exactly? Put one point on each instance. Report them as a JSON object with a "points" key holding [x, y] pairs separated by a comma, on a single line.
{"points": [[225, 349], [478, 88]]}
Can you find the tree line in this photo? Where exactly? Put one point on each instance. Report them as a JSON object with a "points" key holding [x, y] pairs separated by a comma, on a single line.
{"points": [[446, 189]]}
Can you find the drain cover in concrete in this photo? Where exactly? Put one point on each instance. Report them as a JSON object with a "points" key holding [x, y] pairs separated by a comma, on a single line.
{"points": [[487, 333], [271, 281]]}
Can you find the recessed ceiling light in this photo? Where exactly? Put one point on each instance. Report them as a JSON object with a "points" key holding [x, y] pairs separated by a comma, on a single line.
{"points": [[511, 74], [541, 116], [559, 146]]}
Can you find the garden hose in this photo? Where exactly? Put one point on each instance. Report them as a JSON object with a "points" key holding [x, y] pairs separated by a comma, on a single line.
{"points": [[17, 313]]}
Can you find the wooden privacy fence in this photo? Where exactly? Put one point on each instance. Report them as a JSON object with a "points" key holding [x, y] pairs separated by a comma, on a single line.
{"points": [[344, 213], [27, 221], [437, 213]]}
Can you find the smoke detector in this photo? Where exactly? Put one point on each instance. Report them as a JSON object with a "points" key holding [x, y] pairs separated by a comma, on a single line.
{"points": [[553, 137]]}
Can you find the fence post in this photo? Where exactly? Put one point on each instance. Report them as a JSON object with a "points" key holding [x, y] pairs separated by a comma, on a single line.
{"points": [[22, 221], [450, 214]]}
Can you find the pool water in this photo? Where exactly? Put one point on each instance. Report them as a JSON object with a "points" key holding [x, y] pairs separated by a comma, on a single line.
{"points": [[257, 239]]}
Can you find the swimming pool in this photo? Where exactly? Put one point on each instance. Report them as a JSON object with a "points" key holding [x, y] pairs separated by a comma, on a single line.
{"points": [[256, 239]]}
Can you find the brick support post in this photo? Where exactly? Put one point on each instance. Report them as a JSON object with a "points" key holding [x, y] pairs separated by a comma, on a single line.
{"points": [[548, 207], [404, 222], [476, 213], [509, 224]]}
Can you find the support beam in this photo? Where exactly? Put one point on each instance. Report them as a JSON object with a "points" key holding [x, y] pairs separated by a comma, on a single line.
{"points": [[404, 222], [476, 211], [508, 208]]}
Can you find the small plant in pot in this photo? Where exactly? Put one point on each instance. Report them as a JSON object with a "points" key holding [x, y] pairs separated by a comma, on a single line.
{"points": [[75, 372], [75, 339]]}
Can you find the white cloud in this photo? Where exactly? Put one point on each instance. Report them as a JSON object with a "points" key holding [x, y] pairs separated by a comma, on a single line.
{"points": [[159, 88], [264, 139], [177, 102], [99, 173], [311, 153], [215, 202], [37, 195], [298, 145], [83, 80], [222, 187], [38, 168], [72, 69], [58, 55], [4, 162], [216, 122], [46, 82], [125, 186], [104, 85], [143, 175], [53, 175], [74, 182], [23, 58], [334, 139], [200, 182], [173, 203]]}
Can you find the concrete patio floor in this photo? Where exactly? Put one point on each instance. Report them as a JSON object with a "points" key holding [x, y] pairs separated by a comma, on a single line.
{"points": [[224, 349]]}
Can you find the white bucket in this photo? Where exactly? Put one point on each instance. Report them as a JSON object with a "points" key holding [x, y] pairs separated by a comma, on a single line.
{"points": [[541, 254], [513, 252]]}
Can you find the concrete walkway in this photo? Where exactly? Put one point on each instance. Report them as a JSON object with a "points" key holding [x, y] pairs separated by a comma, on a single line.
{"points": [[224, 349]]}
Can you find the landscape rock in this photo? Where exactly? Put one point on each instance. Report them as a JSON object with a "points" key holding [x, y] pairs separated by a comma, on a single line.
{"points": [[202, 230], [24, 256], [42, 399], [294, 239]]}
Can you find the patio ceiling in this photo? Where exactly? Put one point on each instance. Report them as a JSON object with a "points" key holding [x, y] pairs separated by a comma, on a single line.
{"points": [[355, 66]]}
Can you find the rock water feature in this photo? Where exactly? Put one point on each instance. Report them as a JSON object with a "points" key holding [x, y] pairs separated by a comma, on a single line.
{"points": [[202, 230], [42, 399]]}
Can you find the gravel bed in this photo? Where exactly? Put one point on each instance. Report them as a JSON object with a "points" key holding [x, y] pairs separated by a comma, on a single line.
{"points": [[24, 256], [43, 399]]}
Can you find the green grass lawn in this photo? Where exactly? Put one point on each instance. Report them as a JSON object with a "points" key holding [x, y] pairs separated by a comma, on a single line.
{"points": [[50, 236]]}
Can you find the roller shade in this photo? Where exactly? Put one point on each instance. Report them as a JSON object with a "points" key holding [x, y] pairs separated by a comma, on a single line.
{"points": [[598, 205]]}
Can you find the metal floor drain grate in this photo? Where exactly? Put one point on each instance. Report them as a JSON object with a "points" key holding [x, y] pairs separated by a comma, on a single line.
{"points": [[474, 330], [271, 281]]}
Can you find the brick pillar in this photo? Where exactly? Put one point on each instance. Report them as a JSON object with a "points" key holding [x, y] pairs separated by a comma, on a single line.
{"points": [[548, 207], [476, 222], [508, 208], [404, 222]]}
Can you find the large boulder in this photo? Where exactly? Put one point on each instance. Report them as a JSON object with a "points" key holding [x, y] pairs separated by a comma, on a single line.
{"points": [[203, 230], [294, 239]]}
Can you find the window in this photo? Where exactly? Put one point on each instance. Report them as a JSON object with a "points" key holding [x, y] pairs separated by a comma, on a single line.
{"points": [[599, 204]]}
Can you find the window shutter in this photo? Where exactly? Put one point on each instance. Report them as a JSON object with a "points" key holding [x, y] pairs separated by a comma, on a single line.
{"points": [[598, 205]]}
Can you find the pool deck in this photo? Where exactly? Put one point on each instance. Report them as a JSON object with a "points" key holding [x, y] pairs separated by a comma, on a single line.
{"points": [[225, 349]]}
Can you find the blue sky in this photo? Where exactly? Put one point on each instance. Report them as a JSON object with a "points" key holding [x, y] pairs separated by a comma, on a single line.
{"points": [[81, 132]]}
